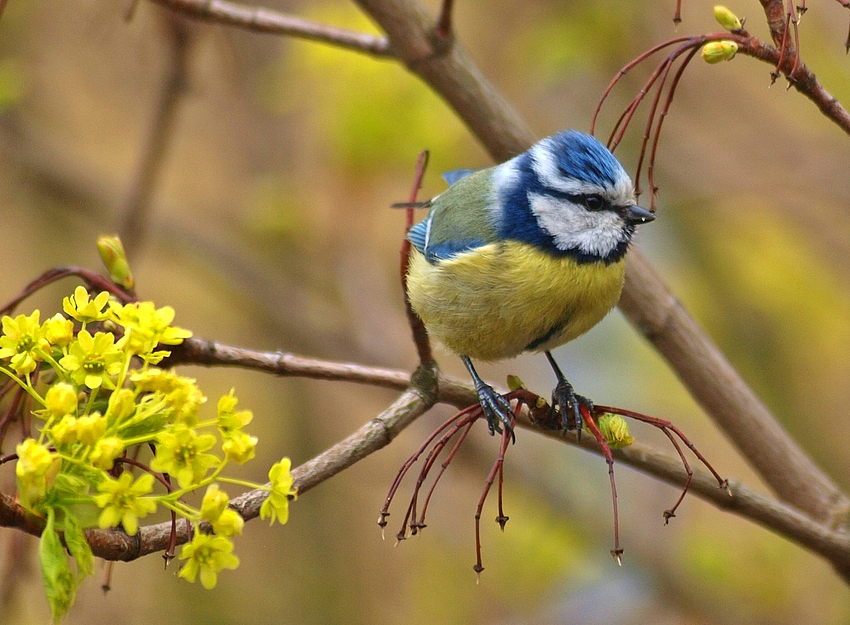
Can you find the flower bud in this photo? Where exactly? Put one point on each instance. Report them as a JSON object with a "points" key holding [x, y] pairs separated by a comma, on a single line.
{"points": [[717, 51], [65, 431], [60, 399], [514, 383], [105, 451], [615, 430], [214, 503], [90, 428], [240, 447], [726, 18], [115, 259], [122, 403]]}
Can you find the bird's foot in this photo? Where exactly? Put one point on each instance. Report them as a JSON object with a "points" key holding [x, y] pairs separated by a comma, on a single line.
{"points": [[497, 410], [568, 404]]}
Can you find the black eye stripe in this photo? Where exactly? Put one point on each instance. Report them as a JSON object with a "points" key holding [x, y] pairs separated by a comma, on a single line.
{"points": [[591, 201]]}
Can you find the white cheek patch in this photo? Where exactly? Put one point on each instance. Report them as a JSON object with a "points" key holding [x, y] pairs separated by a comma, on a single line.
{"points": [[572, 227]]}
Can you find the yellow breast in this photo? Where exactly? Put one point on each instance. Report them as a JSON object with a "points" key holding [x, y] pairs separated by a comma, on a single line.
{"points": [[501, 299]]}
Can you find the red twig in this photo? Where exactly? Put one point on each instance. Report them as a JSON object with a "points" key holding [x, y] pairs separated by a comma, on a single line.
{"points": [[669, 429], [420, 334], [501, 519], [617, 551], [92, 279]]}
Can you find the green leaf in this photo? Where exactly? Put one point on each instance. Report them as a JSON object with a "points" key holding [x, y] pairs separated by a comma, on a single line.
{"points": [[56, 573], [75, 539]]}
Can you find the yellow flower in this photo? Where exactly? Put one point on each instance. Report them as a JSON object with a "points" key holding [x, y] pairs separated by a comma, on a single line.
{"points": [[65, 431], [23, 341], [36, 470], [122, 403], [180, 453], [93, 360], [281, 491], [207, 556], [78, 306], [230, 419], [123, 502], [146, 326], [181, 393], [58, 330], [240, 447]]}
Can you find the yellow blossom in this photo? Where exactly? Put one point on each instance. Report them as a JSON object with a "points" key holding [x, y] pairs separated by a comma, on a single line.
{"points": [[23, 342], [207, 556], [281, 491], [78, 306], [239, 447], [123, 502]]}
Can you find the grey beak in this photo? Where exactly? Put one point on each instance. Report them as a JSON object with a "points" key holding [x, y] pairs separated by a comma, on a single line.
{"points": [[635, 215]]}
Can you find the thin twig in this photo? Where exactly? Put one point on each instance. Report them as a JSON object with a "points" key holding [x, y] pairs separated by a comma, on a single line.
{"points": [[264, 20], [135, 211]]}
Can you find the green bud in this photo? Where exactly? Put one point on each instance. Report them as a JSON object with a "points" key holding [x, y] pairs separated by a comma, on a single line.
{"points": [[514, 383], [717, 51], [115, 259], [726, 18], [615, 430]]}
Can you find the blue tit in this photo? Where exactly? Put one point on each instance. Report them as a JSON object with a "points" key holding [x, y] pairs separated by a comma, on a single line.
{"points": [[525, 256]]}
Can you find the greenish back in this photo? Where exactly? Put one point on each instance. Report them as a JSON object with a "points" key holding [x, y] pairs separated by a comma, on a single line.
{"points": [[460, 212]]}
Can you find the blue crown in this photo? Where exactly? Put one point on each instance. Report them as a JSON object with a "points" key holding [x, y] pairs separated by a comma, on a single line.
{"points": [[584, 158]]}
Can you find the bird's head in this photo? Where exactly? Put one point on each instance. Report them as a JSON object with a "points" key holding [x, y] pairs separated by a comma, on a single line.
{"points": [[570, 196]]}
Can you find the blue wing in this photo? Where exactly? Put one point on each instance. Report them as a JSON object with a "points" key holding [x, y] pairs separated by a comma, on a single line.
{"points": [[434, 252], [458, 221], [418, 234]]}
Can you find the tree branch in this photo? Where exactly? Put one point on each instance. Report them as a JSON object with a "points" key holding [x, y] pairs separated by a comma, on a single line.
{"points": [[380, 431], [134, 213], [263, 20]]}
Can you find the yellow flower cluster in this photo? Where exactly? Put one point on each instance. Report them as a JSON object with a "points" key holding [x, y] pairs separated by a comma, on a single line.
{"points": [[92, 374]]}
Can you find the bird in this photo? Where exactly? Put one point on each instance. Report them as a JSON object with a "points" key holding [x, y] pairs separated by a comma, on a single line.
{"points": [[524, 256]]}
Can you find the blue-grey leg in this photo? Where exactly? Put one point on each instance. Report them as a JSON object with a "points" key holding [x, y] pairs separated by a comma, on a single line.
{"points": [[496, 408], [566, 402]]}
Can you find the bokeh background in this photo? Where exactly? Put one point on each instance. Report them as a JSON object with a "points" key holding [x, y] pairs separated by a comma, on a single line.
{"points": [[269, 228]]}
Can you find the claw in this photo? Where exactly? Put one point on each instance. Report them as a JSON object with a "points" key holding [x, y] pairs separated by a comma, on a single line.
{"points": [[497, 409], [566, 403]]}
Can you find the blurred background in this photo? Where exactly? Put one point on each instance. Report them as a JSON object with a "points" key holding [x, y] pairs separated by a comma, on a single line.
{"points": [[269, 228]]}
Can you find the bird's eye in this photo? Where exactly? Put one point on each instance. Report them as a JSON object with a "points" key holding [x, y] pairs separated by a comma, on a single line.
{"points": [[593, 202]]}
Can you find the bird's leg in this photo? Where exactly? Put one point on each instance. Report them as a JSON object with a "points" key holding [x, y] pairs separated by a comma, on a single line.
{"points": [[566, 401], [496, 408]]}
